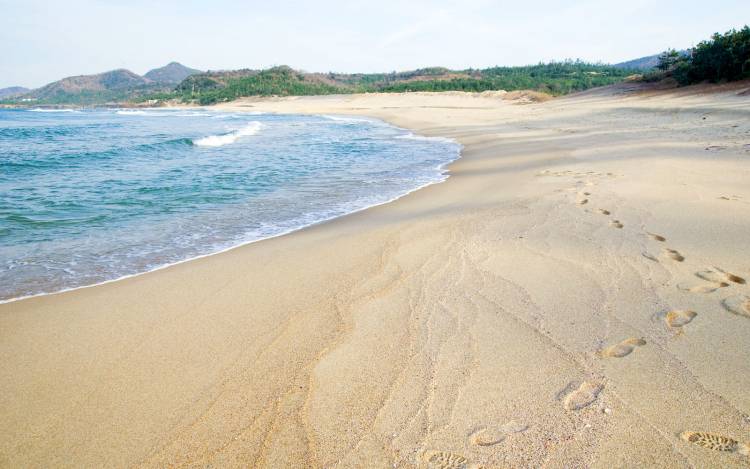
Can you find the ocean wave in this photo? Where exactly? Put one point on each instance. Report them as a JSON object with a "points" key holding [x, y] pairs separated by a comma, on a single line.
{"points": [[190, 114], [220, 140], [348, 120], [18, 219], [161, 113], [237, 115], [131, 113], [411, 136], [67, 160], [87, 209], [53, 110], [31, 132]]}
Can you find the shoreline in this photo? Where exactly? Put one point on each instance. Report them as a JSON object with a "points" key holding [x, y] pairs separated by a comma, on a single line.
{"points": [[555, 302], [444, 168]]}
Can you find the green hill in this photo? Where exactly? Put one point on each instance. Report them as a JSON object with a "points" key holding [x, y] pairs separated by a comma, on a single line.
{"points": [[112, 86], [172, 73], [553, 78], [161, 84], [115, 86]]}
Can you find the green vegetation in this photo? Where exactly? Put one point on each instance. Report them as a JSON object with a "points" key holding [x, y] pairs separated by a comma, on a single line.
{"points": [[91, 97], [277, 81], [120, 86], [554, 78], [724, 57]]}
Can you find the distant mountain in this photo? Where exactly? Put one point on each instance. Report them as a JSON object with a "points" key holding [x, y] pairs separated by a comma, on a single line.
{"points": [[172, 73], [644, 63], [112, 80], [12, 91], [109, 87], [90, 89]]}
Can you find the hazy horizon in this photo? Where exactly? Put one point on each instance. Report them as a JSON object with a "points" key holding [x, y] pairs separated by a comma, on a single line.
{"points": [[47, 41]]}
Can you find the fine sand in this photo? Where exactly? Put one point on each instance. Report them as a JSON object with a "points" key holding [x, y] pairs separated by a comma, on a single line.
{"points": [[577, 294]]}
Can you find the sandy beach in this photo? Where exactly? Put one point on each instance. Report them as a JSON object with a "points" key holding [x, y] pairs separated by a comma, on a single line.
{"points": [[574, 295]]}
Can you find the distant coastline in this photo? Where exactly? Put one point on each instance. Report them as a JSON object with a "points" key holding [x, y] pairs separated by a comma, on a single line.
{"points": [[121, 88]]}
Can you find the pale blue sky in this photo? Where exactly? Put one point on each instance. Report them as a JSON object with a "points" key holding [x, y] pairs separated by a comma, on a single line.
{"points": [[41, 41]]}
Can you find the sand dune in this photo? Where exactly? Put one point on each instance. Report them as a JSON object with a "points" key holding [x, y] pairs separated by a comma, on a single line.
{"points": [[494, 320]]}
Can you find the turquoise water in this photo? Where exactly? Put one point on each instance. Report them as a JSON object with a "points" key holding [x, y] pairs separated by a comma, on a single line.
{"points": [[94, 195]]}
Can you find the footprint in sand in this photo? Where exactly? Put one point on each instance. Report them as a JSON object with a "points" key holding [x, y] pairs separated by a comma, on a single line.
{"points": [[488, 436], [715, 442], [583, 396], [656, 237], [649, 256], [616, 224], [702, 288], [674, 255], [582, 201], [717, 275], [445, 460], [623, 349], [679, 318], [739, 305], [603, 212]]}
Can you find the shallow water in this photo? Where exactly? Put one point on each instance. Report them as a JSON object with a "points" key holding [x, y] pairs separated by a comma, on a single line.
{"points": [[93, 195]]}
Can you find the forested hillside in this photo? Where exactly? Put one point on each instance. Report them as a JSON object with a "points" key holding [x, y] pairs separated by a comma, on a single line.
{"points": [[553, 78], [723, 57]]}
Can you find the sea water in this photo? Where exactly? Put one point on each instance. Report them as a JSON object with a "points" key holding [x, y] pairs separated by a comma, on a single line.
{"points": [[88, 196]]}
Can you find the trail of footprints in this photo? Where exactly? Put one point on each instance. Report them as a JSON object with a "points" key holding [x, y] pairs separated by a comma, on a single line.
{"points": [[713, 279], [584, 394]]}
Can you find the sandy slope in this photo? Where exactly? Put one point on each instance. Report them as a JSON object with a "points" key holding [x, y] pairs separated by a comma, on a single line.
{"points": [[526, 313]]}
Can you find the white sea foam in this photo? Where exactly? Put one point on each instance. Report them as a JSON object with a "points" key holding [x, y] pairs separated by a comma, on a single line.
{"points": [[53, 110], [161, 113], [189, 114], [220, 140], [411, 136], [349, 120], [236, 115]]}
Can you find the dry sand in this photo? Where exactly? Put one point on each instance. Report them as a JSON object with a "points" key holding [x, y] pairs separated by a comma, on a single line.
{"points": [[573, 296]]}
